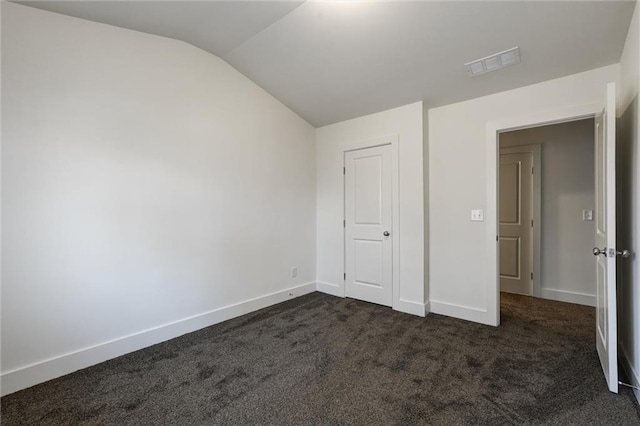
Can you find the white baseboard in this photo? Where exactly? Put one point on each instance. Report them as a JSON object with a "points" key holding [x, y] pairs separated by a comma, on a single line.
{"points": [[405, 306], [467, 313], [24, 377], [408, 307], [568, 296], [332, 289], [631, 372]]}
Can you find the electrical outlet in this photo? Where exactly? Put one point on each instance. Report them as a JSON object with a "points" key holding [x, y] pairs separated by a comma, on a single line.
{"points": [[587, 215], [294, 272], [477, 215]]}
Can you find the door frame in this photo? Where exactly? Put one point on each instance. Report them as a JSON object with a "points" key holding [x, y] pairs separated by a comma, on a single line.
{"points": [[493, 130], [395, 210], [536, 207]]}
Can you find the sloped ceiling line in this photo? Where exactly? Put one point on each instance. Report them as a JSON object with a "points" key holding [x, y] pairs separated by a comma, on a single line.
{"points": [[333, 60]]}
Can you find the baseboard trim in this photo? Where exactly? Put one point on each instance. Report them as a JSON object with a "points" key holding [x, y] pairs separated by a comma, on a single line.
{"points": [[467, 313], [409, 307], [568, 296], [401, 305], [631, 372], [332, 289], [30, 375]]}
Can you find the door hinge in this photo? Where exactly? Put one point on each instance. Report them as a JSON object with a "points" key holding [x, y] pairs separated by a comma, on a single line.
{"points": [[532, 223], [497, 238], [532, 275], [345, 276], [531, 170], [344, 170], [344, 223]]}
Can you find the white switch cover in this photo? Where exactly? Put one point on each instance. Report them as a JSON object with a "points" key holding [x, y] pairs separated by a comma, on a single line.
{"points": [[294, 272], [587, 214], [477, 215]]}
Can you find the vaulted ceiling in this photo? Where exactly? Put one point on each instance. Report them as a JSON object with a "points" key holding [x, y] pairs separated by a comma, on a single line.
{"points": [[334, 60]]}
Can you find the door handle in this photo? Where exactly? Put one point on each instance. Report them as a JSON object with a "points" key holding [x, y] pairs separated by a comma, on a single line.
{"points": [[385, 233], [597, 251], [624, 253]]}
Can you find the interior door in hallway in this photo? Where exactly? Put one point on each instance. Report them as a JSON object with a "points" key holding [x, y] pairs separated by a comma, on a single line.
{"points": [[516, 223], [368, 220]]}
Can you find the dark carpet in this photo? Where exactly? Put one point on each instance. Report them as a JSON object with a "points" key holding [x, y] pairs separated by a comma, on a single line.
{"points": [[320, 359]]}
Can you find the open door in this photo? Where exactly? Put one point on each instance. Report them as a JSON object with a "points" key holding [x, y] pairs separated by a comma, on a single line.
{"points": [[605, 239]]}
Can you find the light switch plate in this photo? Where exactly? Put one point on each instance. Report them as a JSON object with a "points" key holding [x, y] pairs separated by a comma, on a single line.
{"points": [[477, 215], [587, 215], [294, 272]]}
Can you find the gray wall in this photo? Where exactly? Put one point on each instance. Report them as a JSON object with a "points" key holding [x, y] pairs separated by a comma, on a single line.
{"points": [[567, 159]]}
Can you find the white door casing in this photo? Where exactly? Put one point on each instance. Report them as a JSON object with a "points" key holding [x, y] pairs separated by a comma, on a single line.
{"points": [[368, 225], [605, 239], [516, 223], [493, 129]]}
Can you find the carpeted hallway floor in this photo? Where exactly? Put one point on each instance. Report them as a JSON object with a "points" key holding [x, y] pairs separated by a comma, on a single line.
{"points": [[319, 359]]}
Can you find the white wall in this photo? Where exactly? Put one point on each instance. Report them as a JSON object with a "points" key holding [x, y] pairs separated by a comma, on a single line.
{"points": [[331, 141], [144, 182], [567, 174], [459, 261], [628, 180]]}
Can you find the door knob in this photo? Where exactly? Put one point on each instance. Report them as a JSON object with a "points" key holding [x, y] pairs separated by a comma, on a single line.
{"points": [[624, 253], [385, 233], [597, 251]]}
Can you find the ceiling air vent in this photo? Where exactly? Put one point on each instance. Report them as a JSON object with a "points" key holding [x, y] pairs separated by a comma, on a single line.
{"points": [[493, 62]]}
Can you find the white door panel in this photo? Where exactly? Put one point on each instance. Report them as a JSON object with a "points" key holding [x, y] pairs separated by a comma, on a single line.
{"points": [[605, 239], [368, 195], [366, 271], [516, 236], [368, 216]]}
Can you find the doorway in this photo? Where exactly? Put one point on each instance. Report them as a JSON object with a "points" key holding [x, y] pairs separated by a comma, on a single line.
{"points": [[605, 302], [546, 198]]}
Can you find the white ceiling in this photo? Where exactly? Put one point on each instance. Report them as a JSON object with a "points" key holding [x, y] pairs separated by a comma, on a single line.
{"points": [[330, 61], [215, 26]]}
